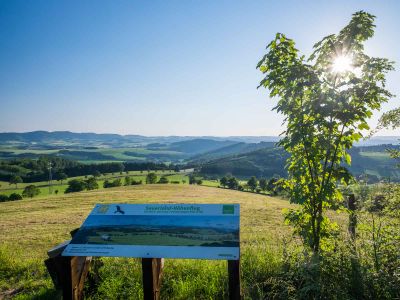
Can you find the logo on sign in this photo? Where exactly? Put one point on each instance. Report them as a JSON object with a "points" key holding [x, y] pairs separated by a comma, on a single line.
{"points": [[228, 209], [102, 209]]}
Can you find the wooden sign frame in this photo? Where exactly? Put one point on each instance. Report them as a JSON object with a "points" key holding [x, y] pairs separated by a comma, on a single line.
{"points": [[69, 274]]}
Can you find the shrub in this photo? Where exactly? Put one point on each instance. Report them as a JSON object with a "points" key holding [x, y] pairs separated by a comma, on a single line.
{"points": [[233, 183], [134, 182], [151, 178], [91, 183], [163, 180], [75, 185], [192, 179], [3, 198], [31, 191], [14, 196], [114, 183]]}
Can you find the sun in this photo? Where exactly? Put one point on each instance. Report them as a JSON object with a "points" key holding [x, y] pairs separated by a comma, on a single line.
{"points": [[342, 63]]}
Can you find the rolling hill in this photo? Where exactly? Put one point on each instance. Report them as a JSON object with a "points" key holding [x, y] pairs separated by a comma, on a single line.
{"points": [[236, 149], [269, 162]]}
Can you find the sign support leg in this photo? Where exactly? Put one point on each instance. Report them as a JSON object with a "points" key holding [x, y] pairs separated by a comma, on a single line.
{"points": [[69, 274], [234, 279], [152, 272]]}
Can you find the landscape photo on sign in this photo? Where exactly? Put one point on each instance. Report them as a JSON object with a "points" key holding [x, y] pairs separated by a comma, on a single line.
{"points": [[161, 230]]}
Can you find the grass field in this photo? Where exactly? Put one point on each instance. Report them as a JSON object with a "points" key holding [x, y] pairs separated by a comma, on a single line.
{"points": [[7, 189], [28, 228]]}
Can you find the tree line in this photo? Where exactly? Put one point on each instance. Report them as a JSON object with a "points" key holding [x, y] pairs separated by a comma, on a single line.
{"points": [[272, 185], [34, 170]]}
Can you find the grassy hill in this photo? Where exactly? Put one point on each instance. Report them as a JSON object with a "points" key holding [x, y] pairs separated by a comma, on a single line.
{"points": [[28, 228], [7, 189]]}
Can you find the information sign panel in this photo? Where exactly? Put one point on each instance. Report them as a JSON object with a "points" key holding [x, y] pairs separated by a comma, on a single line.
{"points": [[200, 231]]}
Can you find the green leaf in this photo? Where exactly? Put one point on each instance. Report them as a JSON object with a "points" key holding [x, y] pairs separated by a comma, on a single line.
{"points": [[363, 126]]}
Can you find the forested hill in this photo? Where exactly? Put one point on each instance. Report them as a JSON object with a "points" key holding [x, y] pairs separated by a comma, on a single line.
{"points": [[270, 162], [233, 149], [266, 162]]}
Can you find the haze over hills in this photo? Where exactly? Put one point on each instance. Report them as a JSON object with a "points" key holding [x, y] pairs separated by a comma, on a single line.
{"points": [[67, 138]]}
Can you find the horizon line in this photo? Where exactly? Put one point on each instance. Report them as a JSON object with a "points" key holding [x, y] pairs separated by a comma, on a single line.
{"points": [[154, 136]]}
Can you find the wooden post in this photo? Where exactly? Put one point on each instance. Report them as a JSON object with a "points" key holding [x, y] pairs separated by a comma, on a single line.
{"points": [[152, 272], [63, 265], [79, 269], [352, 216], [234, 280], [68, 272]]}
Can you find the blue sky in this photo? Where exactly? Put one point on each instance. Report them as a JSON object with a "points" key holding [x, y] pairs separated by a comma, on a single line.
{"points": [[161, 67]]}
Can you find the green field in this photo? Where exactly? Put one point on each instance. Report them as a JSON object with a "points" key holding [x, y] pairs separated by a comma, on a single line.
{"points": [[157, 238], [7, 189]]}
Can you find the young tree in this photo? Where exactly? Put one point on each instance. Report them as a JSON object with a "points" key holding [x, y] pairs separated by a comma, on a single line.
{"points": [[151, 178], [252, 183], [233, 183], [14, 196], [96, 174], [116, 182], [61, 176], [31, 191], [391, 119], [271, 185], [75, 185], [15, 179], [224, 181], [192, 179], [91, 183], [163, 180], [3, 198], [326, 101], [263, 184], [128, 180]]}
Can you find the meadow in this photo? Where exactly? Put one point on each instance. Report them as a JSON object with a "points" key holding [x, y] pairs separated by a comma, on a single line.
{"points": [[28, 228], [7, 188], [274, 264]]}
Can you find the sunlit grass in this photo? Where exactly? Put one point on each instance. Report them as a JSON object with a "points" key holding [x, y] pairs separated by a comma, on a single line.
{"points": [[28, 228]]}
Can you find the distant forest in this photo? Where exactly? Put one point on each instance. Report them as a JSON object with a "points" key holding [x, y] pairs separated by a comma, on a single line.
{"points": [[33, 170]]}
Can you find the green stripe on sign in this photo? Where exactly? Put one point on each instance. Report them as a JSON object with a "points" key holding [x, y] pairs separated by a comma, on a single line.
{"points": [[228, 209]]}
